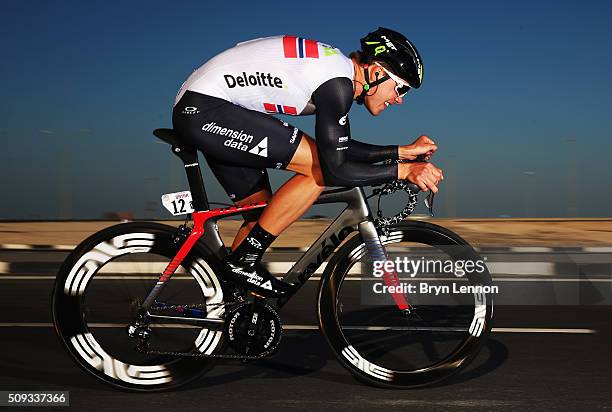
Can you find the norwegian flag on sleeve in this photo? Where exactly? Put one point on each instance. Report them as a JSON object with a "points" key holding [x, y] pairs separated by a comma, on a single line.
{"points": [[299, 48], [278, 108]]}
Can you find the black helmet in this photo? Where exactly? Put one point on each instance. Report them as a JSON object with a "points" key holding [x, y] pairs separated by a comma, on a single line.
{"points": [[397, 51]]}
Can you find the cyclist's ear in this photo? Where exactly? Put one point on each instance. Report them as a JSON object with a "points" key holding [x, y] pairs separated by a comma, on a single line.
{"points": [[375, 72]]}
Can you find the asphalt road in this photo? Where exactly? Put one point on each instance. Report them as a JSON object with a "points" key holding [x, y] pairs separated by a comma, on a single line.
{"points": [[539, 357]]}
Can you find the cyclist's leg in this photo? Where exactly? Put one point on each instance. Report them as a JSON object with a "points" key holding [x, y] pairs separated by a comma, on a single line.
{"points": [[249, 141], [248, 185], [287, 204], [263, 195], [298, 194]]}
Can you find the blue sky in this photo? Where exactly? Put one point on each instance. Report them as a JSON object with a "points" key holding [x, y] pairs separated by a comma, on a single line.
{"points": [[509, 88]]}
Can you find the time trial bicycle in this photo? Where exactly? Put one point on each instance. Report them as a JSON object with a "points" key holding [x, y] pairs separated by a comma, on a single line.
{"points": [[145, 306]]}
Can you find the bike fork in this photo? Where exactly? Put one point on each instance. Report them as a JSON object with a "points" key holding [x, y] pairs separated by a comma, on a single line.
{"points": [[378, 252]]}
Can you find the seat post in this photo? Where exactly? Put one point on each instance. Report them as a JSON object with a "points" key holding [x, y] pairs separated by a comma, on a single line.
{"points": [[189, 156]]}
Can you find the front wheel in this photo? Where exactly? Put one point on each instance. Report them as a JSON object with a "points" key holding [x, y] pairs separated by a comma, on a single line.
{"points": [[98, 293], [449, 318]]}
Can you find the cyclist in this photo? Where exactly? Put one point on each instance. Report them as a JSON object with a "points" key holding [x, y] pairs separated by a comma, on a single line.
{"points": [[224, 109]]}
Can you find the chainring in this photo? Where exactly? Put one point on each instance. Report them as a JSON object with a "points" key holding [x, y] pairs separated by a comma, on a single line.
{"points": [[253, 329]]}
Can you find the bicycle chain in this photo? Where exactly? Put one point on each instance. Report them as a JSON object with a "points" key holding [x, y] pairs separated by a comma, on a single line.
{"points": [[212, 356], [196, 305]]}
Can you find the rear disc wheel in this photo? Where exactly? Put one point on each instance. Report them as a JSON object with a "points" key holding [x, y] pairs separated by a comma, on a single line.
{"points": [[98, 293]]}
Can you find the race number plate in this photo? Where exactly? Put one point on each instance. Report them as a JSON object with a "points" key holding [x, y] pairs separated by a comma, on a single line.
{"points": [[178, 203]]}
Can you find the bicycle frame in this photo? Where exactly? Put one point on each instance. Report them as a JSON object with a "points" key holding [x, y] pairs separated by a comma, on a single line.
{"points": [[355, 217], [205, 228]]}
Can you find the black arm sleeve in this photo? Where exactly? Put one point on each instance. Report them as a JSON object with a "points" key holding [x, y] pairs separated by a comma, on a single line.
{"points": [[371, 153], [333, 99]]}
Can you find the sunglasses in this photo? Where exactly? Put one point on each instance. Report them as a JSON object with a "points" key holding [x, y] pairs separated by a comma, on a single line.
{"points": [[401, 87]]}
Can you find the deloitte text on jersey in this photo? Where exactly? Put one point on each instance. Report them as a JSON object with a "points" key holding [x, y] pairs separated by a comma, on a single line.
{"points": [[257, 79]]}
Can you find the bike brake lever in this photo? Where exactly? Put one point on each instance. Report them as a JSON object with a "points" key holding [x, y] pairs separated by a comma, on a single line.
{"points": [[429, 202], [430, 196]]}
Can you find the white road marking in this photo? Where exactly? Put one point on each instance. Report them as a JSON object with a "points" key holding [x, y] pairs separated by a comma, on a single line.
{"points": [[502, 249], [545, 330], [495, 279], [513, 268], [317, 278], [42, 248], [284, 267], [303, 327], [597, 249], [137, 267], [103, 277], [522, 268], [609, 280], [530, 249], [15, 246]]}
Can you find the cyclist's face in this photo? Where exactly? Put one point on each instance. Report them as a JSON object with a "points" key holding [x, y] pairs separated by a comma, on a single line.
{"points": [[383, 95]]}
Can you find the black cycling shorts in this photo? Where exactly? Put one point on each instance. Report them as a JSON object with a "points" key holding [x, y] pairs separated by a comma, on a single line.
{"points": [[238, 144]]}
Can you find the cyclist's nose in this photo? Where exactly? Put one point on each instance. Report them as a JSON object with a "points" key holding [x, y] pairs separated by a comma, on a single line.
{"points": [[399, 99]]}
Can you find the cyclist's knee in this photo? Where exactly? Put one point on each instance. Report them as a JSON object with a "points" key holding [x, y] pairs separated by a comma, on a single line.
{"points": [[318, 178], [317, 174]]}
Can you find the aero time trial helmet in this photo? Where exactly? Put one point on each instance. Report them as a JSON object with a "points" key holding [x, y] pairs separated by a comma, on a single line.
{"points": [[397, 51]]}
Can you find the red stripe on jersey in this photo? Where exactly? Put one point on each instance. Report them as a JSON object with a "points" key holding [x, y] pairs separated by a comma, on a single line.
{"points": [[290, 110], [289, 46], [312, 49], [270, 107]]}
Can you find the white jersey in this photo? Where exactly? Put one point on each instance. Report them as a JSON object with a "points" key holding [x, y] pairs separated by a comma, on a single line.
{"points": [[270, 75]]}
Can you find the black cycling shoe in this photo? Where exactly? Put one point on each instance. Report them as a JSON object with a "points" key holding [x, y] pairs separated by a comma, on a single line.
{"points": [[254, 277]]}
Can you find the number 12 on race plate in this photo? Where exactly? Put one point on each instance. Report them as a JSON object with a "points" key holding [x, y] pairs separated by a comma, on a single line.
{"points": [[178, 203]]}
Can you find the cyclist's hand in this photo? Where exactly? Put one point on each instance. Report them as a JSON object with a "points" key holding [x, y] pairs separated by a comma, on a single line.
{"points": [[423, 174], [421, 146]]}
